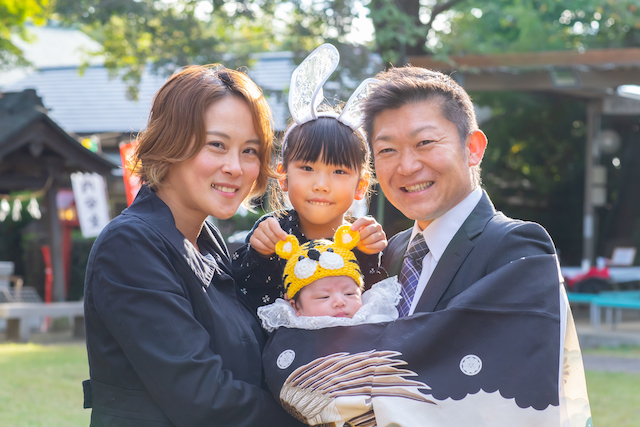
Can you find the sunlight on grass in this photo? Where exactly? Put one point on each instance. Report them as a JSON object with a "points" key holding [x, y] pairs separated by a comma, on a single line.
{"points": [[614, 398], [11, 349], [42, 385], [622, 351]]}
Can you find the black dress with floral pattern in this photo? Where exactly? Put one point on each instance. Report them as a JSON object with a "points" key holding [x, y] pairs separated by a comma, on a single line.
{"points": [[259, 278]]}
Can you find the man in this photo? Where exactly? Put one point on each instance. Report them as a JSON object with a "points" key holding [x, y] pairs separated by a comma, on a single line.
{"points": [[427, 148], [493, 343]]}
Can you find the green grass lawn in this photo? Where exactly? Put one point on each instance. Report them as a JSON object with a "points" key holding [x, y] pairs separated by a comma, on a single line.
{"points": [[40, 386], [614, 399]]}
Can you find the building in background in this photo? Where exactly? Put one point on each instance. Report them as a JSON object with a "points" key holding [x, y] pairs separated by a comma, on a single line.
{"points": [[93, 106]]}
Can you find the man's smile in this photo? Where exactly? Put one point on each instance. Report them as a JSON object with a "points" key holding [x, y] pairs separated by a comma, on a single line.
{"points": [[417, 187]]}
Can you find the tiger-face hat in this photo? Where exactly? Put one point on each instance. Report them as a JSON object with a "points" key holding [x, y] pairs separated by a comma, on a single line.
{"points": [[319, 258]]}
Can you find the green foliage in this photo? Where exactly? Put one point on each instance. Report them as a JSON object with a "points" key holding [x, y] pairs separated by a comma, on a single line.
{"points": [[402, 27], [537, 25], [168, 35], [34, 276], [14, 14], [11, 240], [534, 163], [80, 249]]}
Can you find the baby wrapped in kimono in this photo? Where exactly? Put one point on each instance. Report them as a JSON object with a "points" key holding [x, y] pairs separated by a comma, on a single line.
{"points": [[478, 362]]}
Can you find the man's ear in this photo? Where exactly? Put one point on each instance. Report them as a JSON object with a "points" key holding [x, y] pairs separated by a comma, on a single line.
{"points": [[282, 182], [476, 144], [363, 184]]}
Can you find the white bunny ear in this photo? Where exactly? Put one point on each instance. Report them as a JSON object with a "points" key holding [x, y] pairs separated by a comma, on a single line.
{"points": [[352, 113], [305, 93]]}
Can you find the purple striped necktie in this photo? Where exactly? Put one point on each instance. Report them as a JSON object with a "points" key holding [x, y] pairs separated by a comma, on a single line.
{"points": [[410, 273]]}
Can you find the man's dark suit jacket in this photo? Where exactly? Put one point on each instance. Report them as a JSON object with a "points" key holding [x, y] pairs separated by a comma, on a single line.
{"points": [[486, 241]]}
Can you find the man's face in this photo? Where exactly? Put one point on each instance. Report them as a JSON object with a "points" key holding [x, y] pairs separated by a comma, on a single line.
{"points": [[421, 164]]}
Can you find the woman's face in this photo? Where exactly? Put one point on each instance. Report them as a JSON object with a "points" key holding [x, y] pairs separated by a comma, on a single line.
{"points": [[217, 180]]}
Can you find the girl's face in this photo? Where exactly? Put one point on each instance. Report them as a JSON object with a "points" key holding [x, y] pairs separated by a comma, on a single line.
{"points": [[221, 175], [321, 194]]}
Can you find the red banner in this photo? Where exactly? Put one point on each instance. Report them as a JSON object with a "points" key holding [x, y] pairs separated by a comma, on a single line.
{"points": [[131, 181]]}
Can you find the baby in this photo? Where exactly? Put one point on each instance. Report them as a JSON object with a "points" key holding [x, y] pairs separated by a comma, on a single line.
{"points": [[323, 286]]}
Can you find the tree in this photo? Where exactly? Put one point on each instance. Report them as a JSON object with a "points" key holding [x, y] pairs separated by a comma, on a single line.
{"points": [[537, 25], [164, 35], [539, 167], [534, 163], [168, 33], [14, 14]]}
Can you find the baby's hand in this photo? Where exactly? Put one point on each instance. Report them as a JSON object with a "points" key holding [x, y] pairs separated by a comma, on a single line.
{"points": [[372, 238], [266, 235]]}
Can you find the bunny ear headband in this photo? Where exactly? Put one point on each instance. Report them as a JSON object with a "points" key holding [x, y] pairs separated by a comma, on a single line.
{"points": [[305, 92]]}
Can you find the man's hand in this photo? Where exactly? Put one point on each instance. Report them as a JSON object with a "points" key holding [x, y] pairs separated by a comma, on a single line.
{"points": [[266, 235], [372, 238]]}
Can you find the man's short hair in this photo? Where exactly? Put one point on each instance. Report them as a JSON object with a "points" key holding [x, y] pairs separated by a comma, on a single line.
{"points": [[407, 85]]}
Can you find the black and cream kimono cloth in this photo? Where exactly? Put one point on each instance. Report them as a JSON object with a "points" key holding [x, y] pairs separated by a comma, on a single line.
{"points": [[503, 353]]}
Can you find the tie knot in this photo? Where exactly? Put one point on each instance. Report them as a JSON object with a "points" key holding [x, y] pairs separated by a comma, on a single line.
{"points": [[417, 248]]}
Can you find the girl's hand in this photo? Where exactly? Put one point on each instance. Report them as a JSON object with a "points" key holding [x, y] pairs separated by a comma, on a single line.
{"points": [[265, 237], [372, 238]]}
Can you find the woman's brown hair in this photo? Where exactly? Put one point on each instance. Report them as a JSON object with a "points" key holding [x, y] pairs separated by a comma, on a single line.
{"points": [[176, 129]]}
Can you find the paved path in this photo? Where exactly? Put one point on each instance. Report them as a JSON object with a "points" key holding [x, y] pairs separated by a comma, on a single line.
{"points": [[611, 364]]}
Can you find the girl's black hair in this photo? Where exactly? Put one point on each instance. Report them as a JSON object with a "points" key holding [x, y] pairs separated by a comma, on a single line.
{"points": [[328, 140]]}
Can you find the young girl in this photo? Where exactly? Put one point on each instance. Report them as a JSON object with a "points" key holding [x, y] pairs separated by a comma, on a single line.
{"points": [[326, 162]]}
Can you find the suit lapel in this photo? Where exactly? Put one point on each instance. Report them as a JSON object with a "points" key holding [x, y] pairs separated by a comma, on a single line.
{"points": [[396, 250], [455, 254]]}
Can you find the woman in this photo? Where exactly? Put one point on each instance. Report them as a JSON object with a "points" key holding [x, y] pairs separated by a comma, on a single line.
{"points": [[168, 342]]}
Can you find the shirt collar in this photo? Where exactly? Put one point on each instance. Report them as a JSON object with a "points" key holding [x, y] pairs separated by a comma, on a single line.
{"points": [[439, 233]]}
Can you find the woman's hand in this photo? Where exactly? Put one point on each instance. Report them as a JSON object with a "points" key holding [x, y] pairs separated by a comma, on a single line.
{"points": [[372, 238], [266, 235]]}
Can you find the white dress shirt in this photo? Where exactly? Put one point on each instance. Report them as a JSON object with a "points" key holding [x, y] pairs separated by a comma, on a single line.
{"points": [[438, 235]]}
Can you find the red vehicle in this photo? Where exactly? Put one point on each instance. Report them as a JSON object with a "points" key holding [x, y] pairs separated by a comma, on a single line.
{"points": [[593, 281]]}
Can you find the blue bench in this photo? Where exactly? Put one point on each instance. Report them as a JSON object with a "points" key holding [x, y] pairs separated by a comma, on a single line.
{"points": [[613, 305], [580, 298], [612, 301]]}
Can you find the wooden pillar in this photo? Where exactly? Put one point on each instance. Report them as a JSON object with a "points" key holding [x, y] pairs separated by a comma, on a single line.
{"points": [[380, 206], [592, 158], [55, 242]]}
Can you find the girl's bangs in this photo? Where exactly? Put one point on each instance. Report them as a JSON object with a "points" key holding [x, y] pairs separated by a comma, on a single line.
{"points": [[330, 143]]}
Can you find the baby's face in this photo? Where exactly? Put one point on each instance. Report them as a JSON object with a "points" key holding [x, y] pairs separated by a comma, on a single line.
{"points": [[330, 296]]}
